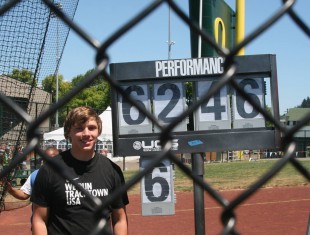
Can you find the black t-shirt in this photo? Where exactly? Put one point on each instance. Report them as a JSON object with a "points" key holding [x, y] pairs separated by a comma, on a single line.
{"points": [[70, 211]]}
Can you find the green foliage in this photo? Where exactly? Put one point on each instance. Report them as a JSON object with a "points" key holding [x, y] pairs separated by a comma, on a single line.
{"points": [[305, 103], [235, 175], [96, 95], [23, 75], [268, 123], [242, 174], [49, 85]]}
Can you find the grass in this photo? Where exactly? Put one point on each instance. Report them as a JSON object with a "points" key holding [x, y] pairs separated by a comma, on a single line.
{"points": [[235, 175]]}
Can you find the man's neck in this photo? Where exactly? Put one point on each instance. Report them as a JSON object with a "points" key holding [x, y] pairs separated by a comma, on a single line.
{"points": [[83, 155]]}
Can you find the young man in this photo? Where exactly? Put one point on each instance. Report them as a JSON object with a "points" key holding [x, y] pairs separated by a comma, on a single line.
{"points": [[59, 208], [25, 191]]}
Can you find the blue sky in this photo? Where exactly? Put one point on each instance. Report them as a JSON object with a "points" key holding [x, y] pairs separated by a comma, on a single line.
{"points": [[148, 40]]}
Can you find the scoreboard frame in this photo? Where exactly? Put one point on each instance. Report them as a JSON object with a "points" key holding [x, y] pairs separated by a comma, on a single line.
{"points": [[141, 141]]}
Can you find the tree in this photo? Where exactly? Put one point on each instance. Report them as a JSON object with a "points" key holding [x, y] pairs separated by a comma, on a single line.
{"points": [[49, 85], [96, 95], [268, 123], [23, 75], [305, 103]]}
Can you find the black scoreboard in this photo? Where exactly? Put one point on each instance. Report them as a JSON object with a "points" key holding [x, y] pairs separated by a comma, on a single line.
{"points": [[226, 122]]}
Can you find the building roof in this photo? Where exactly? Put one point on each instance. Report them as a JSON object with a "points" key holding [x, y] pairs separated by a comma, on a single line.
{"points": [[296, 114]]}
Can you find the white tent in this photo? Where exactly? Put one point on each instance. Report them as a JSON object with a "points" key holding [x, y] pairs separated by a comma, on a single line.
{"points": [[57, 137], [106, 118], [54, 135]]}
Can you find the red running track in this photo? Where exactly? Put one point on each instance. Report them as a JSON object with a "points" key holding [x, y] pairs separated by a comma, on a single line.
{"points": [[283, 211]]}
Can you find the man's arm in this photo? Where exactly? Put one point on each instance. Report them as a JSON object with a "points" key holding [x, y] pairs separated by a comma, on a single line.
{"points": [[39, 219], [119, 221], [17, 193]]}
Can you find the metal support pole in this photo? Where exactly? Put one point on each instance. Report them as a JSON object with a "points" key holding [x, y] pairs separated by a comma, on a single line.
{"points": [[170, 43], [198, 170], [240, 19], [59, 6], [308, 227], [57, 76], [124, 163]]}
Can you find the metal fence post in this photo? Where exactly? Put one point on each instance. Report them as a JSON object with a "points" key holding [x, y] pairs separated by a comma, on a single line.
{"points": [[198, 170]]}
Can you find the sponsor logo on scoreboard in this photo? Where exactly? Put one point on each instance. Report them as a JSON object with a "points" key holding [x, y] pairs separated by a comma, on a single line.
{"points": [[153, 145]]}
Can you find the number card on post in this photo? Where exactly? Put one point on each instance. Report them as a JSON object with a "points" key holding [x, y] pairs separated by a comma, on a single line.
{"points": [[157, 193]]}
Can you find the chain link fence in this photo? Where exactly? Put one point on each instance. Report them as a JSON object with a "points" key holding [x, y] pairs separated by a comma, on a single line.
{"points": [[23, 117]]}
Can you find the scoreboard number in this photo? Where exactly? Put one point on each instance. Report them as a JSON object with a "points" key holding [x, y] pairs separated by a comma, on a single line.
{"points": [[131, 121], [169, 103], [245, 116], [157, 185], [157, 194], [216, 113]]}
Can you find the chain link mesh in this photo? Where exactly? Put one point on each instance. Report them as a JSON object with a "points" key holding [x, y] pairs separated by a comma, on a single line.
{"points": [[12, 48]]}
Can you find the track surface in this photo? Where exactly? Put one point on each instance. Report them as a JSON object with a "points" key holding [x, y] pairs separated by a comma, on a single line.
{"points": [[271, 211]]}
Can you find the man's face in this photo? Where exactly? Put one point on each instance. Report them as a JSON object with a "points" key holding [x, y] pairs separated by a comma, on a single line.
{"points": [[83, 137]]}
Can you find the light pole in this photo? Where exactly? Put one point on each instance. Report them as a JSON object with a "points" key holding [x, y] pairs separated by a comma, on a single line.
{"points": [[170, 43], [59, 6]]}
